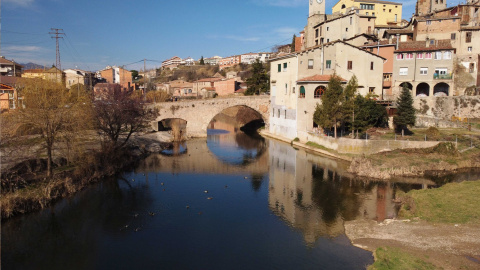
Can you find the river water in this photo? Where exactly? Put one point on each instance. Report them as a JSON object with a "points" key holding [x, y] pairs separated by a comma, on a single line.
{"points": [[229, 202]]}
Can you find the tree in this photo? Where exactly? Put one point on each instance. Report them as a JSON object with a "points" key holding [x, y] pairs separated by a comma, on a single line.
{"points": [[53, 112], [369, 114], [292, 46], [134, 74], [202, 62], [259, 82], [119, 114], [405, 111], [349, 101], [330, 112]]}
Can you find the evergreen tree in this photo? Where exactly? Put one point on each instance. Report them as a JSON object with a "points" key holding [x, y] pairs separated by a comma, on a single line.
{"points": [[369, 114], [330, 112], [259, 82], [202, 62], [349, 100], [405, 111], [292, 46]]}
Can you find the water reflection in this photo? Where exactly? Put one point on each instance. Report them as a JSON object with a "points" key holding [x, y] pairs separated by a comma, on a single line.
{"points": [[316, 195], [232, 146], [175, 149]]}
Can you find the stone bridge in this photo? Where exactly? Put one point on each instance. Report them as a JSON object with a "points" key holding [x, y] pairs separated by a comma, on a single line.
{"points": [[199, 113]]}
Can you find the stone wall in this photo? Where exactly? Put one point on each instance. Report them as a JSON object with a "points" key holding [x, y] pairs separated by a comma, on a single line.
{"points": [[458, 108], [356, 146], [199, 113]]}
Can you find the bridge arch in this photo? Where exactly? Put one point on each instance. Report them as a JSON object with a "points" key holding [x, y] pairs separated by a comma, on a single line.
{"points": [[241, 116]]}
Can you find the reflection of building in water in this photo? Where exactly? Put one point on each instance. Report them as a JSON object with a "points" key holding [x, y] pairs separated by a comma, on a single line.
{"points": [[316, 195]]}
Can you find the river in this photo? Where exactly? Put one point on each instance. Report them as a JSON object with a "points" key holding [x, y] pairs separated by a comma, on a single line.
{"points": [[229, 202]]}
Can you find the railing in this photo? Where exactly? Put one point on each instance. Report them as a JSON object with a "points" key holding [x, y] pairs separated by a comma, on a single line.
{"points": [[442, 76]]}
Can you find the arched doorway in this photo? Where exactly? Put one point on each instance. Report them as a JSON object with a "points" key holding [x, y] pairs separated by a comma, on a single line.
{"points": [[407, 84], [423, 90], [319, 91], [441, 90]]}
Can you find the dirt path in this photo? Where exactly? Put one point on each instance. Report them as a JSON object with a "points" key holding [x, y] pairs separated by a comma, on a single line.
{"points": [[446, 246]]}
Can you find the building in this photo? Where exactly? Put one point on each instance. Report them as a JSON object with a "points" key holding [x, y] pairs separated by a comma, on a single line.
{"points": [[172, 63], [230, 61], [77, 76], [250, 58], [424, 7], [188, 61], [212, 60], [101, 90], [385, 12], [52, 74], [118, 75], [298, 80], [10, 68], [343, 27], [385, 49], [425, 67], [219, 86], [9, 94]]}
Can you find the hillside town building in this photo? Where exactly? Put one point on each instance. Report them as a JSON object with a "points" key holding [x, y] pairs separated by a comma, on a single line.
{"points": [[118, 75], [385, 12], [10, 68]]}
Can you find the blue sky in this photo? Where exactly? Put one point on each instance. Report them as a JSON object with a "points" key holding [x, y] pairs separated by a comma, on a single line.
{"points": [[118, 32]]}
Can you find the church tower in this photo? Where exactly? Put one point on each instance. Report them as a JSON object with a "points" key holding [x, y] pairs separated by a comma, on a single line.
{"points": [[316, 15]]}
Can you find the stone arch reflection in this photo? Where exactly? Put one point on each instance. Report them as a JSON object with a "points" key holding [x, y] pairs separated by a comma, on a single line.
{"points": [[232, 137]]}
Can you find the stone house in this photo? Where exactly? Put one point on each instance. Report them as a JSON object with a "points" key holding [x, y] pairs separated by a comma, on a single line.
{"points": [[425, 67], [52, 74], [74, 76]]}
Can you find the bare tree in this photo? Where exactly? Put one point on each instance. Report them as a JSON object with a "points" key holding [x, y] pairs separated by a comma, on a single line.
{"points": [[119, 114], [53, 112]]}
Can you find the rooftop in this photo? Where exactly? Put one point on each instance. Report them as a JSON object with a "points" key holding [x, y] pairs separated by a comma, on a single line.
{"points": [[319, 78]]}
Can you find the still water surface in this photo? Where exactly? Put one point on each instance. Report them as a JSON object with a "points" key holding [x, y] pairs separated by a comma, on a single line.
{"points": [[228, 202]]}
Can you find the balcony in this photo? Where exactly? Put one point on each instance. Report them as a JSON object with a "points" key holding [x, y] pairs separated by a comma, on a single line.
{"points": [[387, 84], [442, 76]]}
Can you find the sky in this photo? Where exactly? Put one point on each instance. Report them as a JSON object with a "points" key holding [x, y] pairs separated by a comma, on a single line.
{"points": [[100, 33]]}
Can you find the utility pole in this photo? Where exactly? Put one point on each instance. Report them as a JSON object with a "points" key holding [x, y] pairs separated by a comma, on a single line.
{"points": [[57, 36]]}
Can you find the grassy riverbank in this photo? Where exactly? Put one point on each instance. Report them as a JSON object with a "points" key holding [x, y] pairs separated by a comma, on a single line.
{"points": [[448, 220]]}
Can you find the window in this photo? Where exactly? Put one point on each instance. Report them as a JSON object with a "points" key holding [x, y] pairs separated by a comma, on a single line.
{"points": [[278, 113], [471, 67], [351, 20], [284, 67], [469, 49], [316, 33], [328, 28], [447, 55], [367, 14], [302, 92], [396, 17], [293, 90], [285, 114], [409, 56], [279, 67], [383, 10], [400, 56], [423, 71], [328, 64], [349, 65], [438, 56], [453, 36], [441, 71], [373, 13], [286, 89], [310, 63], [419, 55], [390, 10], [403, 71], [367, 6], [468, 37], [319, 92], [429, 22], [346, 29], [428, 55], [371, 90], [371, 65]]}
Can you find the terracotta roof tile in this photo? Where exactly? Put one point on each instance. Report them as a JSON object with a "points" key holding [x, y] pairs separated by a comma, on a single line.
{"points": [[413, 46]]}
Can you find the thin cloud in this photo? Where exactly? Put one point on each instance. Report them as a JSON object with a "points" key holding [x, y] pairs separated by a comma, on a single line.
{"points": [[240, 38], [22, 48], [286, 32], [20, 3]]}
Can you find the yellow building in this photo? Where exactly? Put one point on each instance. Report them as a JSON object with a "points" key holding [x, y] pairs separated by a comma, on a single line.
{"points": [[386, 13]]}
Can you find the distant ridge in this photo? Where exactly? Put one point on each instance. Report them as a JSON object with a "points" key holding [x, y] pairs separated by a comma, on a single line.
{"points": [[32, 66]]}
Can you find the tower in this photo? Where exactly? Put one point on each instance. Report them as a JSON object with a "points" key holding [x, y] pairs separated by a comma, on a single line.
{"points": [[316, 15], [425, 7]]}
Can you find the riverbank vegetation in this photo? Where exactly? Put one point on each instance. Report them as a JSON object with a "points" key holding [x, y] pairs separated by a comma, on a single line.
{"points": [[393, 258], [455, 203], [64, 140]]}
